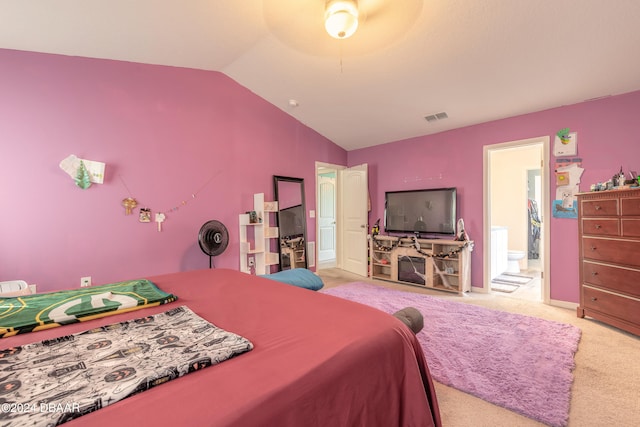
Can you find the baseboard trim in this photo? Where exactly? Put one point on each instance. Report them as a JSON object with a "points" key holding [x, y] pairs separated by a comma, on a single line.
{"points": [[563, 304]]}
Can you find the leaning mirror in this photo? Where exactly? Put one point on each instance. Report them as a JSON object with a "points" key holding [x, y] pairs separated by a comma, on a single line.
{"points": [[292, 224]]}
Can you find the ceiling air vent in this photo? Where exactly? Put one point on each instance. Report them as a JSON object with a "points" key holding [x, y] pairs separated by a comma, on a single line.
{"points": [[436, 117]]}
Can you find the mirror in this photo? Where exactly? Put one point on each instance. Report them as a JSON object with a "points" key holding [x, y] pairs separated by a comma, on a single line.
{"points": [[291, 221]]}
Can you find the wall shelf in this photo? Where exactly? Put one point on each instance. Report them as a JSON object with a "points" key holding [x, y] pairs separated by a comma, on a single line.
{"points": [[256, 237]]}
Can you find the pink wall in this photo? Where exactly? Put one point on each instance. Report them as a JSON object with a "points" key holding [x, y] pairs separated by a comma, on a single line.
{"points": [[164, 132], [608, 137], [167, 131]]}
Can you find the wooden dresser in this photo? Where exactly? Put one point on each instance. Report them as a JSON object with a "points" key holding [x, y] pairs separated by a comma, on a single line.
{"points": [[609, 232]]}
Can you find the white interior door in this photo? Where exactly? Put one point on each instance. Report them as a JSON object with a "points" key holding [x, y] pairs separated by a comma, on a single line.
{"points": [[327, 221], [353, 225]]}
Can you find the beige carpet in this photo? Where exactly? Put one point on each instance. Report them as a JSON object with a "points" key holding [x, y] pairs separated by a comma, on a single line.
{"points": [[606, 388]]}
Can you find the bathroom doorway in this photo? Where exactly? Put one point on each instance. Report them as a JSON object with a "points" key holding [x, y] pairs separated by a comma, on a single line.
{"points": [[515, 210]]}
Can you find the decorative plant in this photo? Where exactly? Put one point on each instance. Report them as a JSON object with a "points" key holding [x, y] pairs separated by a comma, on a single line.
{"points": [[83, 180], [564, 136]]}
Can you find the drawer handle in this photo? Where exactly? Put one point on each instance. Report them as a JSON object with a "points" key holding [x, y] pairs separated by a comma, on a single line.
{"points": [[593, 248], [598, 207], [594, 299], [594, 273], [598, 226]]}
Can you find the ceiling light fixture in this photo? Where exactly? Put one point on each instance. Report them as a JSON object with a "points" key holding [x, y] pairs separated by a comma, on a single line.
{"points": [[341, 18]]}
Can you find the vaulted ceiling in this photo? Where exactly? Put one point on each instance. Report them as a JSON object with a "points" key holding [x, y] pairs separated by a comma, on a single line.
{"points": [[476, 61]]}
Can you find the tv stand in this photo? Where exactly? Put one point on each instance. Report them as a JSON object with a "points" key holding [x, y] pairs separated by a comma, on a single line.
{"points": [[439, 264]]}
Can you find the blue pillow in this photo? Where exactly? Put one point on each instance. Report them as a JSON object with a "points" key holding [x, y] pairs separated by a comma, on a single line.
{"points": [[300, 277]]}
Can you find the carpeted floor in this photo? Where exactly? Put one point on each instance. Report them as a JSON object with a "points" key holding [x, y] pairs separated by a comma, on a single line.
{"points": [[606, 380], [522, 363]]}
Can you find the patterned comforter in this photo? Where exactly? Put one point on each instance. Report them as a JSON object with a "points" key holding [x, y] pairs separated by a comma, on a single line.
{"points": [[54, 381]]}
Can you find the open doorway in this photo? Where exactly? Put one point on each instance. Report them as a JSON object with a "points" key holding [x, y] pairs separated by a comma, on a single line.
{"points": [[342, 214], [515, 211], [326, 190]]}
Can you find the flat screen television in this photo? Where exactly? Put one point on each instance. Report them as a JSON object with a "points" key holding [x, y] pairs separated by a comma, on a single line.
{"points": [[427, 211]]}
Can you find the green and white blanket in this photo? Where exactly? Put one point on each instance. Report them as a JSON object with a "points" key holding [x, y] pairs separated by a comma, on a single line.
{"points": [[42, 311]]}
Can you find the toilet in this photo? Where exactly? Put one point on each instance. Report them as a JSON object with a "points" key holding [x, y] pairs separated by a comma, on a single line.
{"points": [[513, 261]]}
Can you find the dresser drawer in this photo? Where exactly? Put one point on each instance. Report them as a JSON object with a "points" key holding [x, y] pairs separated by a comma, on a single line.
{"points": [[630, 206], [601, 226], [617, 279], [631, 227], [616, 251], [624, 308], [601, 207]]}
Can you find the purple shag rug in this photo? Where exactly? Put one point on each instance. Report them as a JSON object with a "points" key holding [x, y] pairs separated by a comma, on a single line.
{"points": [[519, 362]]}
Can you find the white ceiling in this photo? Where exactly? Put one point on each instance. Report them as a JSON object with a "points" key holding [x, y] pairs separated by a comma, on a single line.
{"points": [[476, 60]]}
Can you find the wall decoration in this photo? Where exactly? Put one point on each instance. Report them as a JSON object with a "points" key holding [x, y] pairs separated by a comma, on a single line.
{"points": [[129, 203], [82, 177], [145, 215], [159, 219], [562, 178], [94, 170], [566, 143], [568, 173], [566, 207]]}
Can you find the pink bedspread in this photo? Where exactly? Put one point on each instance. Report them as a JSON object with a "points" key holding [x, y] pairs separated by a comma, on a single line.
{"points": [[317, 361]]}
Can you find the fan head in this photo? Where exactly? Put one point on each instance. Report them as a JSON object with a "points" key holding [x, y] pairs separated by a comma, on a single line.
{"points": [[213, 238], [301, 25]]}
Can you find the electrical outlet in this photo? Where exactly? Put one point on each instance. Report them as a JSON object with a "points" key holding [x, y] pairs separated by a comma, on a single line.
{"points": [[85, 281], [252, 262]]}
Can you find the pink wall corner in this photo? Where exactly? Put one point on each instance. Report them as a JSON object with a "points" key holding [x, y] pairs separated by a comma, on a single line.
{"points": [[165, 134], [608, 132]]}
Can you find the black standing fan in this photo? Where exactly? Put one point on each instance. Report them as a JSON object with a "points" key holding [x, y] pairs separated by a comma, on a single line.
{"points": [[213, 239]]}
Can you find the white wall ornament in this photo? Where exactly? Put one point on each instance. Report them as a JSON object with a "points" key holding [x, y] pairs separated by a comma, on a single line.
{"points": [[72, 164], [566, 143]]}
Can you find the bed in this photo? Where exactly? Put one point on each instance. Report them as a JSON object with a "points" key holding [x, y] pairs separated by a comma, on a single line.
{"points": [[316, 360]]}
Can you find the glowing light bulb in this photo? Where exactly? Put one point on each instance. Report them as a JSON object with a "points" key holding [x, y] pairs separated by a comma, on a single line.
{"points": [[341, 18]]}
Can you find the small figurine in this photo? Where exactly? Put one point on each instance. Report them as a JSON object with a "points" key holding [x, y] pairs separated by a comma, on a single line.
{"points": [[618, 179], [375, 230]]}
